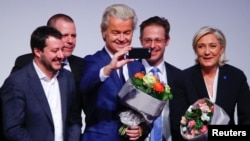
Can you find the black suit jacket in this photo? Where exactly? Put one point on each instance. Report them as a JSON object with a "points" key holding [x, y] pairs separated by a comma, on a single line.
{"points": [[232, 89], [172, 74]]}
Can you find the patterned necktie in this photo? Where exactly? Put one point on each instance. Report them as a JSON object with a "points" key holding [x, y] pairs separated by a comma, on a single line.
{"points": [[156, 132]]}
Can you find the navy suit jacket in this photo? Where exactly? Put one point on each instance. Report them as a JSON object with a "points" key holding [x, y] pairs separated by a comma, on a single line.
{"points": [[232, 89], [75, 63], [103, 105], [26, 112]]}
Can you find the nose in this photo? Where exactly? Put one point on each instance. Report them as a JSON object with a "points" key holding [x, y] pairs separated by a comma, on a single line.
{"points": [[60, 54], [68, 39], [152, 44], [121, 36], [207, 50]]}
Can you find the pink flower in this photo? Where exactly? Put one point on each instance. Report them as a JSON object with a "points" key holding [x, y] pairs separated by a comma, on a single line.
{"points": [[195, 132], [204, 129], [204, 107], [196, 119], [191, 123]]}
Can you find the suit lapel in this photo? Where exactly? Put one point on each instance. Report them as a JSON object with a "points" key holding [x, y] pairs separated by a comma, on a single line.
{"points": [[63, 93], [198, 83], [37, 88], [222, 85], [169, 74], [74, 66]]}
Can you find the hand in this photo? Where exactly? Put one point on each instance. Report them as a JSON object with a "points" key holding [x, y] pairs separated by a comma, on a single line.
{"points": [[118, 60], [134, 133]]}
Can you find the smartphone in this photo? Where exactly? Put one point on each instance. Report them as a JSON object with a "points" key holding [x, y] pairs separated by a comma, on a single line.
{"points": [[139, 53]]}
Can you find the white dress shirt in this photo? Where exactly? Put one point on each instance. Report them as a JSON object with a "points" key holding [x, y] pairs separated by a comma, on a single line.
{"points": [[52, 92]]}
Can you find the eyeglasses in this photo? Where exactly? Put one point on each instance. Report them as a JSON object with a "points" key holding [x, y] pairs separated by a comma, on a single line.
{"points": [[157, 41]]}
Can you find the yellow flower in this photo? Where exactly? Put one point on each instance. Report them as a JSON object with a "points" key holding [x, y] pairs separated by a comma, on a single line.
{"points": [[149, 80]]}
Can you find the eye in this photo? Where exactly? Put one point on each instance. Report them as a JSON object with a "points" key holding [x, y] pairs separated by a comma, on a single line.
{"points": [[73, 35], [213, 45], [115, 33], [147, 41], [200, 46], [159, 40], [127, 32]]}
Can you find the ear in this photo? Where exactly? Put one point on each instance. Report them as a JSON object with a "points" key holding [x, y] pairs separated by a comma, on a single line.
{"points": [[140, 38], [167, 42], [222, 50], [104, 36], [37, 52]]}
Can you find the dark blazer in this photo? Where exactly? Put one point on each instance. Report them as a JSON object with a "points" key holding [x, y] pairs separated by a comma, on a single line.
{"points": [[103, 105], [232, 89], [75, 63], [172, 73], [26, 112]]}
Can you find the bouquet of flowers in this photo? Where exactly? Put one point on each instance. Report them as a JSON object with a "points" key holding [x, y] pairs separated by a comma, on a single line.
{"points": [[151, 85], [146, 96], [194, 124]]}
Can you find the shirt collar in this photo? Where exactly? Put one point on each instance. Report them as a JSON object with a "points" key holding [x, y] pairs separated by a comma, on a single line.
{"points": [[148, 67], [41, 75]]}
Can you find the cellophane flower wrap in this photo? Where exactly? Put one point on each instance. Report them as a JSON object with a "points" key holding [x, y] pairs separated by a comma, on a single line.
{"points": [[145, 96], [194, 124]]}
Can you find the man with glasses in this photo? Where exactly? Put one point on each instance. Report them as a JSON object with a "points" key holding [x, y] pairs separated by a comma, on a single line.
{"points": [[154, 34]]}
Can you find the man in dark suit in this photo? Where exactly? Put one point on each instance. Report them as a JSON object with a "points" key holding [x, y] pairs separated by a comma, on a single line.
{"points": [[101, 81], [66, 26], [39, 101], [154, 34]]}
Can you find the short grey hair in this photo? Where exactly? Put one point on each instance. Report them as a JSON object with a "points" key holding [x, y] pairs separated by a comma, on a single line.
{"points": [[219, 36], [120, 11]]}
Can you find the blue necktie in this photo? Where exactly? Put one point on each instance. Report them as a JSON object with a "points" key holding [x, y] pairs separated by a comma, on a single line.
{"points": [[156, 132], [121, 75], [155, 71]]}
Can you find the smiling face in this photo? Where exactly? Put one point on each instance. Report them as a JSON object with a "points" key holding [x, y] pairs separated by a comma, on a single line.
{"points": [[49, 59], [209, 51], [68, 30], [153, 36], [118, 34]]}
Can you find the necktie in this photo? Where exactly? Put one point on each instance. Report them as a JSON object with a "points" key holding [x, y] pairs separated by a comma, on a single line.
{"points": [[121, 75], [155, 71], [156, 132]]}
